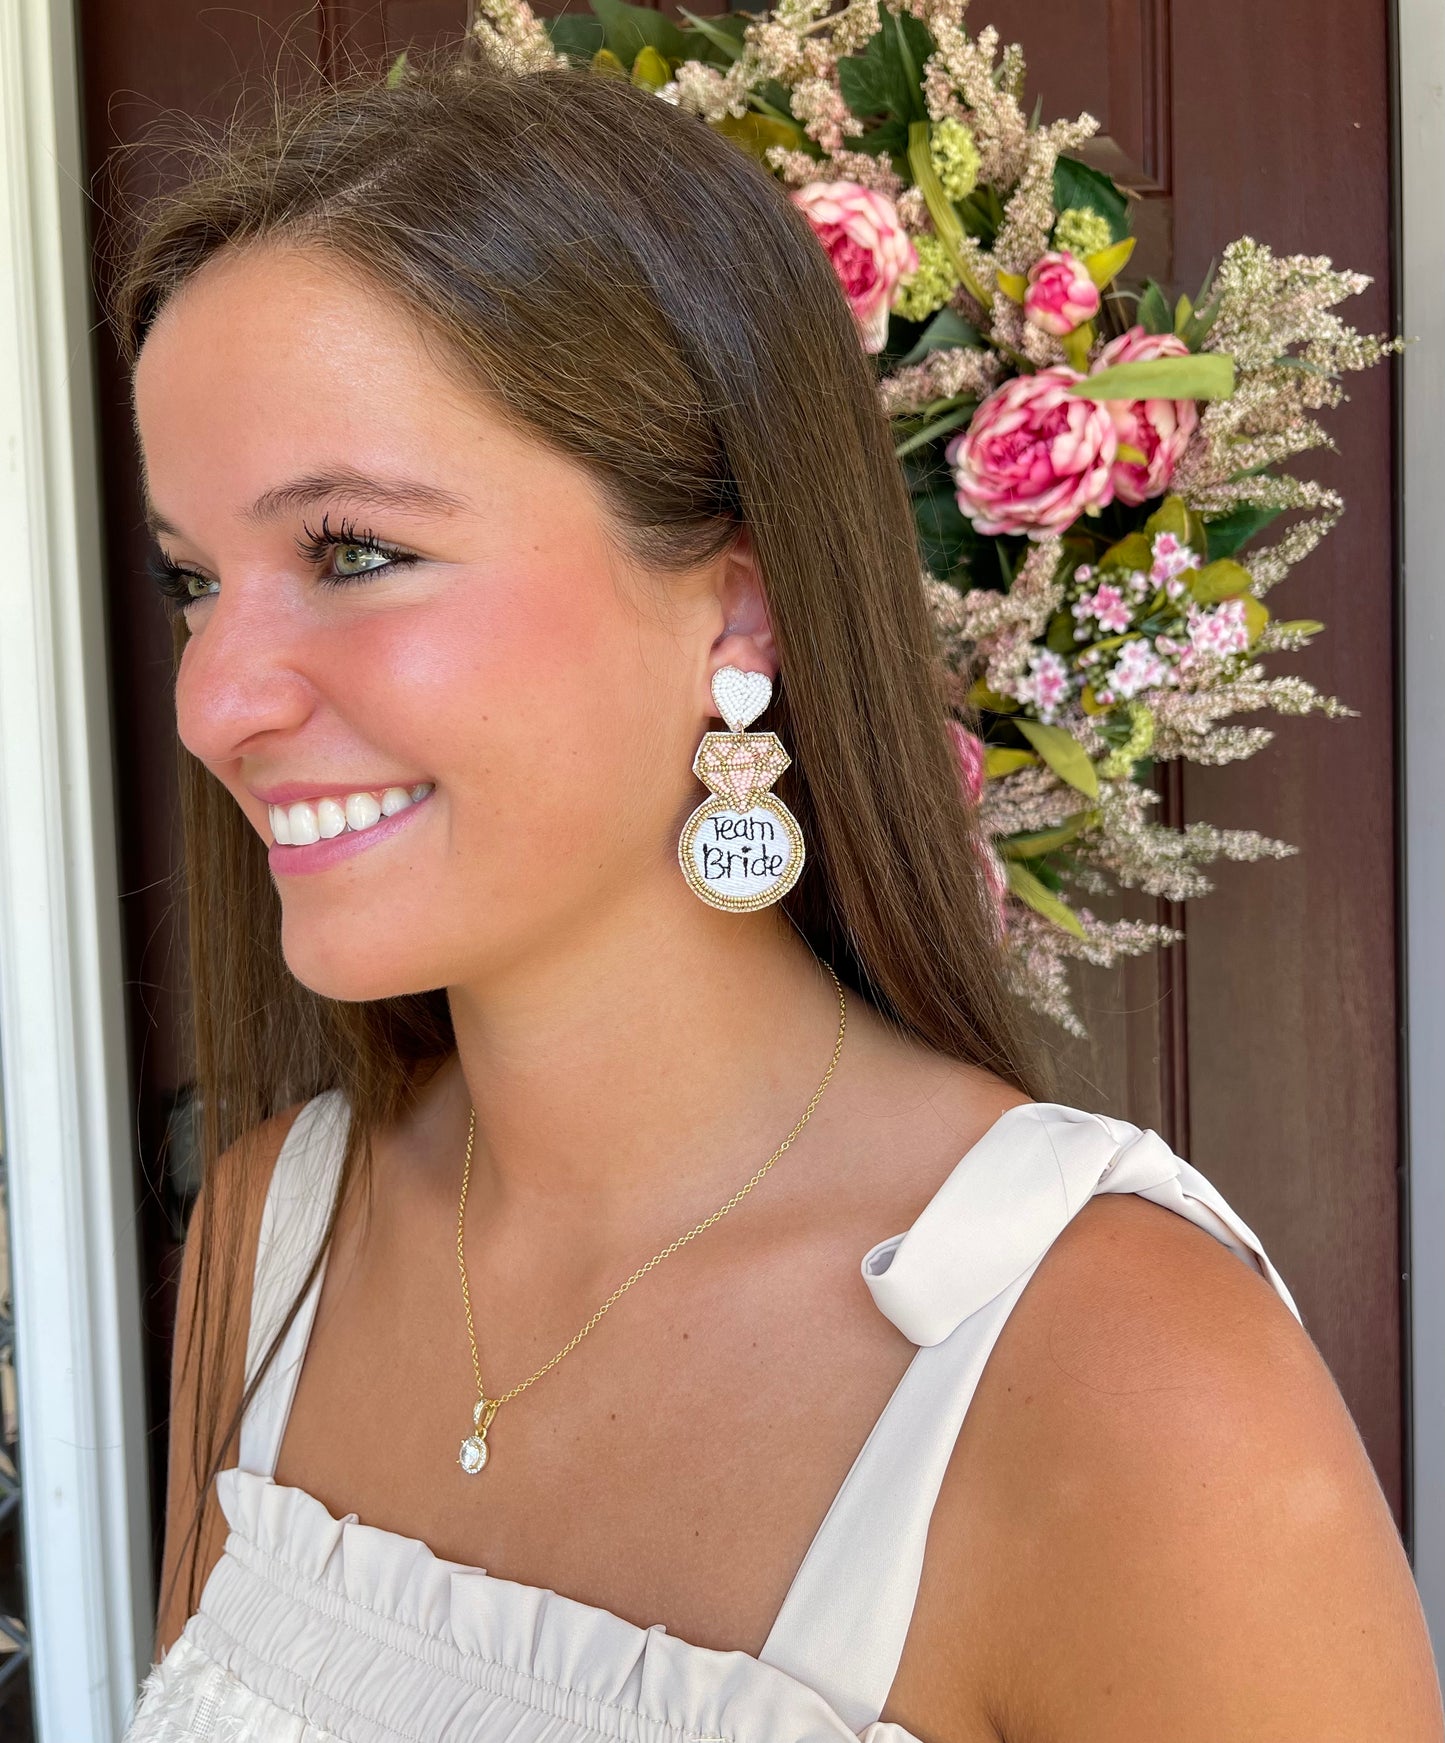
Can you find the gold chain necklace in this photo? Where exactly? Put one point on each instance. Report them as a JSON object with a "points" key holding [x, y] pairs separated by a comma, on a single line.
{"points": [[473, 1455]]}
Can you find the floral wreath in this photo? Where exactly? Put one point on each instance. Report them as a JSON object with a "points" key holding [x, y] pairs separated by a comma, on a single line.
{"points": [[1091, 464]]}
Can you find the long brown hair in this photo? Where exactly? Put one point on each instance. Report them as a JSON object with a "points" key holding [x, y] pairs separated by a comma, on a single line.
{"points": [[634, 289]]}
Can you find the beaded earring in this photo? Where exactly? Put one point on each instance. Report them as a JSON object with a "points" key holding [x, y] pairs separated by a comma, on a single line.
{"points": [[742, 847]]}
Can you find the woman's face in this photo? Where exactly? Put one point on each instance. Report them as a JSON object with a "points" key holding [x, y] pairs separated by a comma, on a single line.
{"points": [[551, 694]]}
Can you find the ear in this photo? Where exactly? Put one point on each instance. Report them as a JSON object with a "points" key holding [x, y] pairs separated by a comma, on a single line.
{"points": [[746, 639]]}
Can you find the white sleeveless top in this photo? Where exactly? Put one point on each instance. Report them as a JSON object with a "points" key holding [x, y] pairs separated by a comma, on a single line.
{"points": [[313, 1629]]}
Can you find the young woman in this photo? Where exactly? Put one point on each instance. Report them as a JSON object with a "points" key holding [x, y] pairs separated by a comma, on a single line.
{"points": [[639, 1290]]}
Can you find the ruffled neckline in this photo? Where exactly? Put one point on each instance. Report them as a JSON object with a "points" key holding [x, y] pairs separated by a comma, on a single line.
{"points": [[546, 1639]]}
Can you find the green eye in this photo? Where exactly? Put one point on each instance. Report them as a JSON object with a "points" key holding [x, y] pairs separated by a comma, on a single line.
{"points": [[353, 552], [173, 582], [354, 555], [363, 556]]}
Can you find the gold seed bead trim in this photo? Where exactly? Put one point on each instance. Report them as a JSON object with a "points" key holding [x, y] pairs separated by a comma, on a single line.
{"points": [[763, 898]]}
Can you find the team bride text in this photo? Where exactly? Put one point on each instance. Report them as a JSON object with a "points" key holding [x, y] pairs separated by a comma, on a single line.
{"points": [[734, 860]]}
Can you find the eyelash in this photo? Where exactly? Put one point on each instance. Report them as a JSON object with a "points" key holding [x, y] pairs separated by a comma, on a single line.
{"points": [[312, 547]]}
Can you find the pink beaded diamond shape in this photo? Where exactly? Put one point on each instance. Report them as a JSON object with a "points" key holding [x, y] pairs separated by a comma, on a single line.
{"points": [[740, 766]]}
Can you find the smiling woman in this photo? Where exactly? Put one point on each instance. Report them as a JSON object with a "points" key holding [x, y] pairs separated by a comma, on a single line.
{"points": [[520, 486]]}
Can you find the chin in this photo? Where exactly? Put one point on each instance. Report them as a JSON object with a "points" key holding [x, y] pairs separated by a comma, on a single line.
{"points": [[348, 976]]}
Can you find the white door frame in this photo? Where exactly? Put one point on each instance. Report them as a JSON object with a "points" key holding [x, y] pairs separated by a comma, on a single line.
{"points": [[1421, 26], [66, 1119]]}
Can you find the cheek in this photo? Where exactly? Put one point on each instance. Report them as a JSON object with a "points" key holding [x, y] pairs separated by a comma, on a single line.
{"points": [[553, 716]]}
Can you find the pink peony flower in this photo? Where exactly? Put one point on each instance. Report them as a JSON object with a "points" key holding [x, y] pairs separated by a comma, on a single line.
{"points": [[1060, 294], [970, 750], [869, 248], [1034, 457], [1159, 428]]}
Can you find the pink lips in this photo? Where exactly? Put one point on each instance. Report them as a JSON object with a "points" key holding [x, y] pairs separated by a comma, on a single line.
{"points": [[318, 856]]}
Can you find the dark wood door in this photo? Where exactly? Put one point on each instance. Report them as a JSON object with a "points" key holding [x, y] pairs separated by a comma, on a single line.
{"points": [[1265, 1047]]}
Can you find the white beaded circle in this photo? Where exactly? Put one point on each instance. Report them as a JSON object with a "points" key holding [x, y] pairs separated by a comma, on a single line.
{"points": [[741, 860]]}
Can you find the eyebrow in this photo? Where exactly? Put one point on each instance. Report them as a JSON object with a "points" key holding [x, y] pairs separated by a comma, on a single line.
{"points": [[405, 494]]}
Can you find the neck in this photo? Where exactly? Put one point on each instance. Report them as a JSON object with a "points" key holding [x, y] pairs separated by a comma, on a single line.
{"points": [[623, 1083]]}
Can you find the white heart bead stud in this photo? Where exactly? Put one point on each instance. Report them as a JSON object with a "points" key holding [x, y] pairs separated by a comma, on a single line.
{"points": [[740, 696]]}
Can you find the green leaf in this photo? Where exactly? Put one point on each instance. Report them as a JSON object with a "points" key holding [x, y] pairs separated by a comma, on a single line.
{"points": [[1134, 552], [1028, 889], [940, 426], [575, 34], [1207, 375], [773, 97], [1076, 346], [1203, 313], [1256, 616], [1046, 872], [1038, 841], [980, 696], [724, 32], [1060, 637], [1238, 527], [884, 78], [1108, 263], [1076, 184], [755, 133], [395, 71], [1219, 580], [889, 138], [1173, 515], [947, 330], [979, 216], [1154, 314], [866, 85], [1300, 625], [945, 534], [1196, 329], [1064, 755], [650, 70], [628, 29], [941, 209], [912, 34], [999, 760]]}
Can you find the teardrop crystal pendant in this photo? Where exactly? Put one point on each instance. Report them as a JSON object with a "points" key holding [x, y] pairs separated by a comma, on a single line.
{"points": [[473, 1455], [741, 848]]}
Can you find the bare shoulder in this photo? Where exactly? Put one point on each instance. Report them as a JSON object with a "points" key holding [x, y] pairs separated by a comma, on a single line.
{"points": [[1160, 1520], [226, 1215]]}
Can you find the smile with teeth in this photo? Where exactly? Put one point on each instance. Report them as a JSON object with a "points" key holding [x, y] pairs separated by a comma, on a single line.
{"points": [[306, 821]]}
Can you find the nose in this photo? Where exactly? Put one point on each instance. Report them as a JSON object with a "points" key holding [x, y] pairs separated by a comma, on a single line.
{"points": [[246, 669]]}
